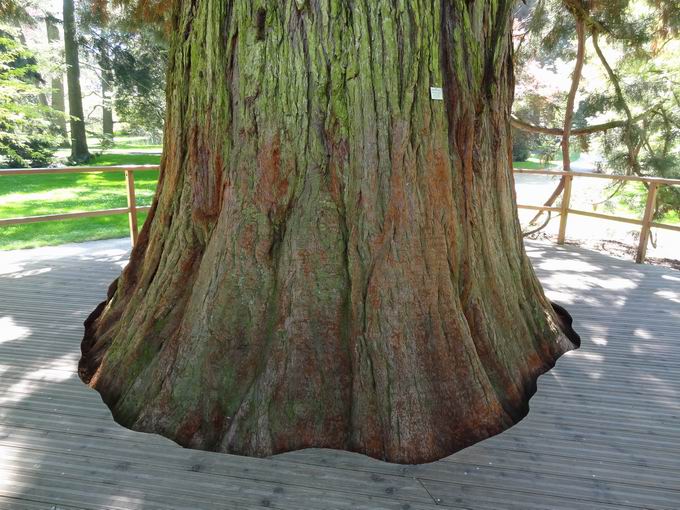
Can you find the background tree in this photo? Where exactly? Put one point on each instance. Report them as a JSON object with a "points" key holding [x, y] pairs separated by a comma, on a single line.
{"points": [[16, 11], [332, 258], [79, 149], [641, 89], [26, 134], [58, 101], [139, 69], [106, 78], [131, 60]]}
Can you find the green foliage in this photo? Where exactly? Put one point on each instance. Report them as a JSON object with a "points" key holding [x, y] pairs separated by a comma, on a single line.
{"points": [[520, 149], [639, 66], [139, 70], [539, 110], [27, 137], [133, 59], [16, 11]]}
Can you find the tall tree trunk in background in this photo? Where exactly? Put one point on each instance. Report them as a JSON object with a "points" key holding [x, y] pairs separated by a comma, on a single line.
{"points": [[107, 112], [332, 259], [79, 150], [106, 84], [571, 97], [58, 102]]}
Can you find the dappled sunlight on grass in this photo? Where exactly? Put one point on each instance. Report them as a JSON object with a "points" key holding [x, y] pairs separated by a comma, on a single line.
{"points": [[16, 237], [38, 195], [24, 198], [129, 158]]}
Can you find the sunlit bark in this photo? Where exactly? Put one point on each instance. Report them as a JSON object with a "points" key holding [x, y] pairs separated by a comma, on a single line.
{"points": [[333, 259]]}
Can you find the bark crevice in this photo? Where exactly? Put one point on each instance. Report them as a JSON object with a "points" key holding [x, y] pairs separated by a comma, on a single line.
{"points": [[333, 259]]}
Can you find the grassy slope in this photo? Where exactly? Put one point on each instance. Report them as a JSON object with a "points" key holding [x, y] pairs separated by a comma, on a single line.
{"points": [[34, 195]]}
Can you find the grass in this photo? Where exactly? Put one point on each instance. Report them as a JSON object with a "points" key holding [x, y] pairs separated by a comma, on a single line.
{"points": [[534, 162], [125, 159], [137, 146], [632, 200], [35, 195], [530, 165]]}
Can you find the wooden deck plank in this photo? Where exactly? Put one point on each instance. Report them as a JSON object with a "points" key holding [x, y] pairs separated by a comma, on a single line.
{"points": [[9, 503], [199, 483], [603, 431]]}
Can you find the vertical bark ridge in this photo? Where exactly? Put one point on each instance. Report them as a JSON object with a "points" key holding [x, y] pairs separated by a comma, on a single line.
{"points": [[333, 258]]}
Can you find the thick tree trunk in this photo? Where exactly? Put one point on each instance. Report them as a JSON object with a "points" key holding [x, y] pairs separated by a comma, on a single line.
{"points": [[107, 112], [106, 81], [79, 150], [332, 259], [58, 101]]}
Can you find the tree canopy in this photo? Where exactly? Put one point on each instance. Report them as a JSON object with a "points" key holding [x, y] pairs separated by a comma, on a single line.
{"points": [[27, 136], [628, 105]]}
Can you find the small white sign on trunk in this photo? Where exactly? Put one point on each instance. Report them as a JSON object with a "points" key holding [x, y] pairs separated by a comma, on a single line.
{"points": [[437, 93]]}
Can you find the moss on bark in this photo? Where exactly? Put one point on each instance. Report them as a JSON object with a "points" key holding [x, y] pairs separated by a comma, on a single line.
{"points": [[333, 259]]}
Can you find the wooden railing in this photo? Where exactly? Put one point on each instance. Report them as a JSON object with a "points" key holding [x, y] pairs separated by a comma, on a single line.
{"points": [[131, 210], [565, 210]]}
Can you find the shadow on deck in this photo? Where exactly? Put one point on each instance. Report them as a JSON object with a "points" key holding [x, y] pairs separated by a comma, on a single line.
{"points": [[603, 431]]}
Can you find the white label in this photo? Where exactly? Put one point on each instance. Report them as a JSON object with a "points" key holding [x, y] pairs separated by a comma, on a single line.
{"points": [[437, 93]]}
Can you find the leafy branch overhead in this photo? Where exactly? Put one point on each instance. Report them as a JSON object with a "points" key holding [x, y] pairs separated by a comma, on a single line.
{"points": [[632, 45]]}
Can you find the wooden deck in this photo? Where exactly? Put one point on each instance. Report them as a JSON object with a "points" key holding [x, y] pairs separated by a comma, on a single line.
{"points": [[603, 431]]}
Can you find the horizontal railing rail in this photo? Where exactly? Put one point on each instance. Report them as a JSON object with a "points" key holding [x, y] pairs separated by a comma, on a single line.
{"points": [[646, 223], [132, 210]]}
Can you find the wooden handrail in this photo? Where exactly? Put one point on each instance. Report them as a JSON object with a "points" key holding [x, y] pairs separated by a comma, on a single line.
{"points": [[69, 216], [131, 210], [614, 177], [76, 169], [645, 223]]}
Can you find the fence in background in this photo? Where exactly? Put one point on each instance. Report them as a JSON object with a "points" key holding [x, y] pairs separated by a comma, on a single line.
{"points": [[646, 223], [132, 210]]}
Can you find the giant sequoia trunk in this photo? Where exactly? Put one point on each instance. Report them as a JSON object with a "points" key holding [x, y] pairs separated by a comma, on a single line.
{"points": [[333, 259]]}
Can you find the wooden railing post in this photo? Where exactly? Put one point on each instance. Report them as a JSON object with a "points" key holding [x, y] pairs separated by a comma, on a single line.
{"points": [[564, 212], [132, 204], [646, 223]]}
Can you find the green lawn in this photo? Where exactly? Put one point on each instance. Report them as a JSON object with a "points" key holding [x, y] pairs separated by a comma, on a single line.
{"points": [[530, 165], [34, 195]]}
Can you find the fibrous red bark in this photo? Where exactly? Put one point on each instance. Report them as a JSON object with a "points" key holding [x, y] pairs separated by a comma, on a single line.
{"points": [[332, 259]]}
